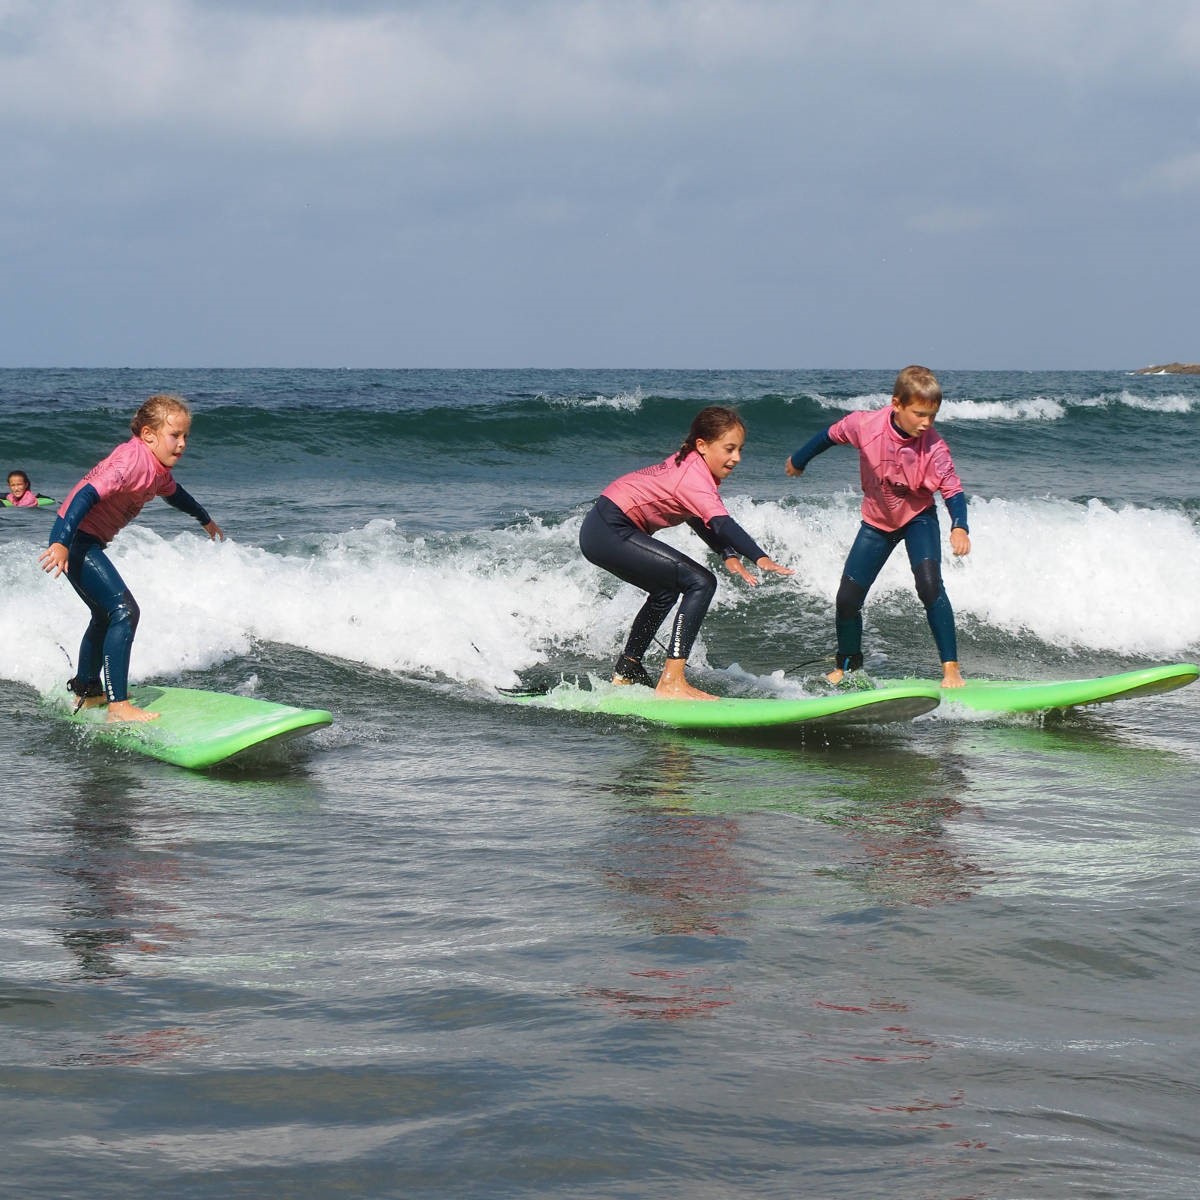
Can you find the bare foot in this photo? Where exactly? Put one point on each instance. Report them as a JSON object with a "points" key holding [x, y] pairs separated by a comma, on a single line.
{"points": [[673, 689], [93, 702], [126, 710], [952, 676], [673, 686], [835, 676]]}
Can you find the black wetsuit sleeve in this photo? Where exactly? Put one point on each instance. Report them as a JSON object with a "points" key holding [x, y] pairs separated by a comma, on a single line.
{"points": [[183, 500], [817, 444], [727, 538], [956, 506], [710, 539], [67, 526]]}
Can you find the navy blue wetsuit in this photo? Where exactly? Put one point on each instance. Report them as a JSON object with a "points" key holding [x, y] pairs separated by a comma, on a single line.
{"points": [[108, 639], [871, 549]]}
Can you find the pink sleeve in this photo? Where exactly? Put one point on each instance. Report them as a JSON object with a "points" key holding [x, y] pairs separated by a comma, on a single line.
{"points": [[845, 431]]}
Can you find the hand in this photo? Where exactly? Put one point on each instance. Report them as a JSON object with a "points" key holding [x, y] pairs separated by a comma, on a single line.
{"points": [[792, 469], [960, 541], [214, 531], [735, 566], [54, 559], [769, 564]]}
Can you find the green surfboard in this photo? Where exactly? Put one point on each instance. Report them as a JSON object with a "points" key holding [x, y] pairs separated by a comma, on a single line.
{"points": [[198, 729], [1017, 696], [892, 702]]}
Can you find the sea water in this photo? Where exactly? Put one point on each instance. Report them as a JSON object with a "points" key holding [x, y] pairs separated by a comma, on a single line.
{"points": [[452, 946]]}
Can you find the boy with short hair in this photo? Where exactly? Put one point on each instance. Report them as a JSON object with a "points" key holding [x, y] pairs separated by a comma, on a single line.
{"points": [[902, 463]]}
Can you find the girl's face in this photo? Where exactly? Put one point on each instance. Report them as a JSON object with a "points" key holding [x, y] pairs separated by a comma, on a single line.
{"points": [[168, 442], [17, 485], [723, 453]]}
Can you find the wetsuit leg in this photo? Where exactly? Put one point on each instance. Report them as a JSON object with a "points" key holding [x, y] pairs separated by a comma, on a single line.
{"points": [[610, 540], [108, 639], [922, 540], [867, 555]]}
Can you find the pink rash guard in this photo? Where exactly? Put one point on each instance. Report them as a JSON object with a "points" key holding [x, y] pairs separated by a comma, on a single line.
{"points": [[125, 480], [668, 493], [899, 474], [29, 500]]}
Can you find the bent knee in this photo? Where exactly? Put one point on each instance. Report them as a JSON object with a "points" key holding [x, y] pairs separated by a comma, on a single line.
{"points": [[697, 580], [927, 575], [850, 597], [125, 612]]}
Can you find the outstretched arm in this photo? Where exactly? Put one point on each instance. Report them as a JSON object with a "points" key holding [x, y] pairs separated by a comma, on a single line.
{"points": [[817, 444], [183, 500], [733, 543]]}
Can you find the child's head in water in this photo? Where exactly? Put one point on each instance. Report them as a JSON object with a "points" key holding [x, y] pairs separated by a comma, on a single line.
{"points": [[18, 484], [163, 423]]}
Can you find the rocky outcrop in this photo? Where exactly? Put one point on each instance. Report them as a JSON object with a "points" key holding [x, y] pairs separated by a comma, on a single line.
{"points": [[1170, 369]]}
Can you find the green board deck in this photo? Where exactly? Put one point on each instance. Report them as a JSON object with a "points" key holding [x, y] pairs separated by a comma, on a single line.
{"points": [[894, 702], [1017, 696], [198, 729]]}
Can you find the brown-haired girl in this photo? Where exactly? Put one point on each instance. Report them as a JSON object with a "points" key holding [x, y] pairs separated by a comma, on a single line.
{"points": [[617, 535], [101, 504]]}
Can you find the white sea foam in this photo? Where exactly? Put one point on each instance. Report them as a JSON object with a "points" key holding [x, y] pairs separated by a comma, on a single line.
{"points": [[854, 403], [1083, 576], [1159, 404], [1034, 408], [1030, 408], [622, 401], [485, 606]]}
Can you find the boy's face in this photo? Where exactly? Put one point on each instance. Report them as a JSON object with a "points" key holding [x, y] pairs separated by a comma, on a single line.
{"points": [[17, 486], [914, 417]]}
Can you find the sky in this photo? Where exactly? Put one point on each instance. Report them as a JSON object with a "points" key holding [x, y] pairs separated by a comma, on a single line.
{"points": [[709, 184]]}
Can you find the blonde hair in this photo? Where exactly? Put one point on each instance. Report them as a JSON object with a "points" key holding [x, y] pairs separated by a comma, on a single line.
{"points": [[154, 412], [917, 383]]}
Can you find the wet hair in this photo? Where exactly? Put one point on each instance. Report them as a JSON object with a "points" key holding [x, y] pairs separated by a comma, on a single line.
{"points": [[154, 413], [708, 425], [917, 383], [21, 475]]}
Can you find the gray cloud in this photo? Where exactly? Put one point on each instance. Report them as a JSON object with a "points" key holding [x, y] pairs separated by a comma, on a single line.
{"points": [[693, 182]]}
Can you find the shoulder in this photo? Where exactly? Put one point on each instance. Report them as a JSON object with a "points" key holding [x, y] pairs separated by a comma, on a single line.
{"points": [[125, 454], [854, 424], [695, 470]]}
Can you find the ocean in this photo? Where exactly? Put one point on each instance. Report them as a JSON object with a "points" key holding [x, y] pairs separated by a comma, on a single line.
{"points": [[453, 946]]}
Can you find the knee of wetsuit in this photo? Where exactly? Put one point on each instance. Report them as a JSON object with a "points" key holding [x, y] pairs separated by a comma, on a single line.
{"points": [[928, 576], [698, 580], [850, 598], [125, 611]]}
